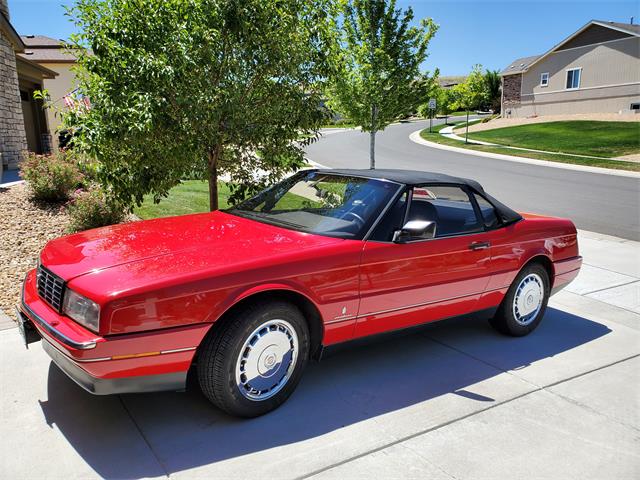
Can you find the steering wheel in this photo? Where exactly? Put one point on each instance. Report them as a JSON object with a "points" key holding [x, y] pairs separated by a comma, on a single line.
{"points": [[357, 217]]}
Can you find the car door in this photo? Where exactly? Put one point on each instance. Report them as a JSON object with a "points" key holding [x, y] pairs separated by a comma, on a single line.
{"points": [[405, 284]]}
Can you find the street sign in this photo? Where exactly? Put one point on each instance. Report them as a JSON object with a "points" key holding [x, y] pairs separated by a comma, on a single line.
{"points": [[432, 103]]}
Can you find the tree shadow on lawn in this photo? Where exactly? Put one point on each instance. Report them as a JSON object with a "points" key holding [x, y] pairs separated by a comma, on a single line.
{"points": [[184, 431]]}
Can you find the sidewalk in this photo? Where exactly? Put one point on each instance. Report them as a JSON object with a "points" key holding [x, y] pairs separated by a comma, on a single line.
{"points": [[454, 400]]}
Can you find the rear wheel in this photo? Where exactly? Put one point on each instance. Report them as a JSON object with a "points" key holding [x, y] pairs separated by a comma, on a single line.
{"points": [[253, 363], [523, 306]]}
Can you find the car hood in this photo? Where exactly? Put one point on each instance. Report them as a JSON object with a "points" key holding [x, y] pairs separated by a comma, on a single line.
{"points": [[220, 238]]}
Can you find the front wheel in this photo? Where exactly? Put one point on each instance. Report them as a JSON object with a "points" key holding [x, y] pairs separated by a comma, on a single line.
{"points": [[523, 306], [255, 360]]}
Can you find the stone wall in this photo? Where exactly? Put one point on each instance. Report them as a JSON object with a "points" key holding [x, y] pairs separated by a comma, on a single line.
{"points": [[13, 141], [511, 87]]}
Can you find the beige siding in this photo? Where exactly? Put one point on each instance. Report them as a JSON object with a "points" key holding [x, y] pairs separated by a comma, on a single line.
{"points": [[609, 81], [63, 84], [611, 63]]}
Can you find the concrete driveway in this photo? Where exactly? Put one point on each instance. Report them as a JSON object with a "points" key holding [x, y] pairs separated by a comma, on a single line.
{"points": [[453, 400]]}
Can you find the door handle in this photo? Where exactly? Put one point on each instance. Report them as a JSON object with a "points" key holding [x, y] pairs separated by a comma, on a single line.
{"points": [[479, 245]]}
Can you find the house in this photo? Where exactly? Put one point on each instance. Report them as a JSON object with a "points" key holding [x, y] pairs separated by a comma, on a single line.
{"points": [[51, 54], [23, 122], [594, 70]]}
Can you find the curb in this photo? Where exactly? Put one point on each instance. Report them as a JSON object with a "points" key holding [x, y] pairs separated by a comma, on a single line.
{"points": [[416, 138], [316, 164], [11, 184]]}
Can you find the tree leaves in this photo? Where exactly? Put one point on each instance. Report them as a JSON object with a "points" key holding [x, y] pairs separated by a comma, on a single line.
{"points": [[172, 81], [377, 62]]}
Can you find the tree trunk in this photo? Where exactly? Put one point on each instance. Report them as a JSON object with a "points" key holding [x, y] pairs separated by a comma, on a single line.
{"points": [[372, 138], [214, 158], [466, 132], [372, 149]]}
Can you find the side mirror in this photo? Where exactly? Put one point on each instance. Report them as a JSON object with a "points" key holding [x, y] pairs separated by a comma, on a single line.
{"points": [[415, 230]]}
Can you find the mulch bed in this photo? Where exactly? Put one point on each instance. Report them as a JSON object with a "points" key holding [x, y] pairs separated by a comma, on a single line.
{"points": [[25, 227]]}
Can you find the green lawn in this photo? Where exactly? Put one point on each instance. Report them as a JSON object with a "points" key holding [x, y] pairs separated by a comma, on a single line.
{"points": [[192, 196], [600, 139], [593, 162]]}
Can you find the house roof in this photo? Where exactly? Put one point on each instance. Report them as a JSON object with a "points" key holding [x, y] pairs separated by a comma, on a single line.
{"points": [[42, 49], [48, 55], [12, 35], [41, 41], [521, 65], [42, 71], [630, 28]]}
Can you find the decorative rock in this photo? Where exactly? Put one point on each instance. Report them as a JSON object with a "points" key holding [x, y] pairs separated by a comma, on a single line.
{"points": [[25, 228]]}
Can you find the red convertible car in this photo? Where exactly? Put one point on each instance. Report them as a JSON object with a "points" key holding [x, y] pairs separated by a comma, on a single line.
{"points": [[245, 297]]}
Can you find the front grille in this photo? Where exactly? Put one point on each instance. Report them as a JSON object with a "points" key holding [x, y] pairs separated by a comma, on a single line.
{"points": [[50, 288]]}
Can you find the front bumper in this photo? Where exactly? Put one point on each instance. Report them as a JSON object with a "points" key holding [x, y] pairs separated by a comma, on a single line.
{"points": [[129, 363], [108, 386]]}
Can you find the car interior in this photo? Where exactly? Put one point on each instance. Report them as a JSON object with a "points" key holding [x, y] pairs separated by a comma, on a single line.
{"points": [[450, 207]]}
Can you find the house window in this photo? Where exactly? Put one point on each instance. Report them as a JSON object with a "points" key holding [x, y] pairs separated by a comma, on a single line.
{"points": [[635, 106], [573, 78], [544, 79]]}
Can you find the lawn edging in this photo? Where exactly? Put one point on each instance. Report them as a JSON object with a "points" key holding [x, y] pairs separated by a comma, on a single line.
{"points": [[416, 138]]}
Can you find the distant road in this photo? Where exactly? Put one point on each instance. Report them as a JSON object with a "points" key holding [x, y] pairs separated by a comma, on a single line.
{"points": [[598, 202]]}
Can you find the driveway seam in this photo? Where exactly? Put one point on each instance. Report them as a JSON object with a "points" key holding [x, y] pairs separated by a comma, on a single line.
{"points": [[609, 269], [609, 288], [144, 437], [456, 420]]}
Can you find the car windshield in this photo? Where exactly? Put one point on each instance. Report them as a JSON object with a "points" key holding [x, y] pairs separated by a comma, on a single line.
{"points": [[321, 203]]}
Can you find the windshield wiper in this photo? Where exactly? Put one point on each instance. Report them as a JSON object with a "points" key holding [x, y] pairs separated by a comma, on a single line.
{"points": [[269, 218]]}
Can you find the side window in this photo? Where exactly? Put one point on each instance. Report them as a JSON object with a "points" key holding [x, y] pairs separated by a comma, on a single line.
{"points": [[392, 220], [489, 215], [449, 207]]}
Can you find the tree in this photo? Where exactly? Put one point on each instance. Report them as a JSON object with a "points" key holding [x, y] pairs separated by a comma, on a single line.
{"points": [[445, 103], [470, 94], [493, 86], [377, 64], [199, 88]]}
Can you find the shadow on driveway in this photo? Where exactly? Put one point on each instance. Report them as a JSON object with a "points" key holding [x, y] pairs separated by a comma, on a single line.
{"points": [[352, 385]]}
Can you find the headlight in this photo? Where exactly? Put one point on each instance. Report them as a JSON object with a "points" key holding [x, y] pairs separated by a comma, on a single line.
{"points": [[82, 310]]}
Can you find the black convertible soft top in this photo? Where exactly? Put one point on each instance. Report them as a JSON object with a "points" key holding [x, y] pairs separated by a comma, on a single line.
{"points": [[408, 177], [415, 177]]}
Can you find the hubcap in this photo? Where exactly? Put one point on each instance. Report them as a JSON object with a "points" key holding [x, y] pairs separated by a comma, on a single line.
{"points": [[528, 299], [267, 360]]}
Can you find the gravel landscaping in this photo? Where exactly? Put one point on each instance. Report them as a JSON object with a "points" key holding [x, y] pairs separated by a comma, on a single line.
{"points": [[25, 228]]}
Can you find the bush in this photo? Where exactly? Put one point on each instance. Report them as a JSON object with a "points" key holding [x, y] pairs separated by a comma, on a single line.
{"points": [[86, 165], [92, 208], [51, 178]]}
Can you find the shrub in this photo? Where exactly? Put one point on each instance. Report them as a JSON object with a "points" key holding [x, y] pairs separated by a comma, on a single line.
{"points": [[87, 166], [51, 178], [92, 208]]}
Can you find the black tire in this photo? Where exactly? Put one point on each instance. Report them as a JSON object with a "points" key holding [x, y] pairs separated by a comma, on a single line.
{"points": [[505, 320], [219, 353]]}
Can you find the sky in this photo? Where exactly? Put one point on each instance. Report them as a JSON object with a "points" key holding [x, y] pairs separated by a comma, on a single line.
{"points": [[491, 33]]}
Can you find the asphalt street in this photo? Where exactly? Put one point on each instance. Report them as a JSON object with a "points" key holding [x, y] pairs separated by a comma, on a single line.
{"points": [[600, 203]]}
